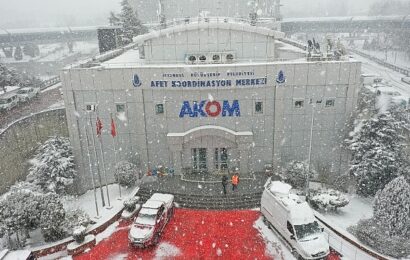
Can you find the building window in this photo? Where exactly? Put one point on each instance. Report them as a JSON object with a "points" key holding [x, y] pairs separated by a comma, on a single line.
{"points": [[90, 108], [159, 109], [259, 107], [330, 103], [299, 103], [120, 108]]}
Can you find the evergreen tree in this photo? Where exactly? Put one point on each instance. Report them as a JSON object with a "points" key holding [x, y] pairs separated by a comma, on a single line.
{"points": [[53, 166], [392, 207], [8, 77], [295, 174], [131, 25], [52, 216], [377, 156], [18, 53], [114, 20]]}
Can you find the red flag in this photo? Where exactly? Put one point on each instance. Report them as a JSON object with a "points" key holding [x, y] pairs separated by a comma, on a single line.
{"points": [[99, 126], [113, 130]]}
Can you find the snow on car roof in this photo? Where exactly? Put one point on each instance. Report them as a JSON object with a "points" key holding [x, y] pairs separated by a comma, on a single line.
{"points": [[148, 211], [162, 197], [152, 204], [301, 213], [280, 187]]}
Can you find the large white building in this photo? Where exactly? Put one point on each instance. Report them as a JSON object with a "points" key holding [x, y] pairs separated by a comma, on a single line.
{"points": [[206, 96]]}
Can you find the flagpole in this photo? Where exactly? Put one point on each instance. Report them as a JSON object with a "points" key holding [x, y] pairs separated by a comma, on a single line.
{"points": [[98, 168], [115, 155], [91, 170], [105, 172]]}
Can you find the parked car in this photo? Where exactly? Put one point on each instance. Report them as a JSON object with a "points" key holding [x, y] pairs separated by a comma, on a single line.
{"points": [[387, 91], [27, 93], [154, 215], [406, 80], [8, 101]]}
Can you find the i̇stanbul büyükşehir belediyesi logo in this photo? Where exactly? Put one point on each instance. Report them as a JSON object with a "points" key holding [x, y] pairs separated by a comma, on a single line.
{"points": [[281, 77], [136, 81]]}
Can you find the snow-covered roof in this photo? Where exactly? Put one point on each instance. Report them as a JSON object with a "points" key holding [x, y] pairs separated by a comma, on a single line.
{"points": [[210, 127], [236, 26], [148, 211], [15, 255], [152, 204], [279, 187], [346, 18], [167, 198]]}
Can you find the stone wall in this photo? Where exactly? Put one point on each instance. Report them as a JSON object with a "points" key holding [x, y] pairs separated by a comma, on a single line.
{"points": [[19, 141]]}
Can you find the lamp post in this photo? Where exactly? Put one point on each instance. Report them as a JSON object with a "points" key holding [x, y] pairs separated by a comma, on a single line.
{"points": [[310, 152]]}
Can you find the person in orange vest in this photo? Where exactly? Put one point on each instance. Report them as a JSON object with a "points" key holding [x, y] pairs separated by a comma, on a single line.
{"points": [[235, 181]]}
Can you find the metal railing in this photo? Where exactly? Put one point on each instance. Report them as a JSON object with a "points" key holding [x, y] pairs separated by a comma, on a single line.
{"points": [[382, 62], [346, 246]]}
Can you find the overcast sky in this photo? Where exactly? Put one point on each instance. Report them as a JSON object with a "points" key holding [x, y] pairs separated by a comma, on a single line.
{"points": [[45, 13]]}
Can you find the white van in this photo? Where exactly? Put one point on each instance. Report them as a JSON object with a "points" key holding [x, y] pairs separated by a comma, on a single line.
{"points": [[369, 79], [8, 101], [27, 93], [293, 220]]}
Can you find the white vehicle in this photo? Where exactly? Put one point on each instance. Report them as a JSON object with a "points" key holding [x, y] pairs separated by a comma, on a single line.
{"points": [[369, 79], [406, 80], [293, 220], [8, 101], [387, 91], [151, 220], [25, 94]]}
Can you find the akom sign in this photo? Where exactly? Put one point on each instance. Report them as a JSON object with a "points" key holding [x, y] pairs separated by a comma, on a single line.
{"points": [[207, 108]]}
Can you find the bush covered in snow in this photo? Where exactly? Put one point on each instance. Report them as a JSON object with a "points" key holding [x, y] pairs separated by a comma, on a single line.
{"points": [[295, 174], [53, 166], [373, 234], [328, 199], [389, 229], [126, 173], [75, 218], [130, 203], [79, 234], [52, 217]]}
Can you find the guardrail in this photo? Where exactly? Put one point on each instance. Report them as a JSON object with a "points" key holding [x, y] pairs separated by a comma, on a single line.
{"points": [[346, 246], [382, 62], [294, 43], [49, 82]]}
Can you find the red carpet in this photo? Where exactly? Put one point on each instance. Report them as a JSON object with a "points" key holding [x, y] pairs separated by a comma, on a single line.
{"points": [[196, 234]]}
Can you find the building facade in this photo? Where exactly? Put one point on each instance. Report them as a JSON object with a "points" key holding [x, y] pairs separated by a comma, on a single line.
{"points": [[207, 97]]}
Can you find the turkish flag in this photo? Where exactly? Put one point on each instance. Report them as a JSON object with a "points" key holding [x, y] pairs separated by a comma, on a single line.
{"points": [[99, 126], [113, 130]]}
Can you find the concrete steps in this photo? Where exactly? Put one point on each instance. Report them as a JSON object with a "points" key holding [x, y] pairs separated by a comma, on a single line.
{"points": [[233, 200]]}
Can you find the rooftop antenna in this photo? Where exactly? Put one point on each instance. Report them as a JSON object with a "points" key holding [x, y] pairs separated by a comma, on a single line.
{"points": [[253, 15]]}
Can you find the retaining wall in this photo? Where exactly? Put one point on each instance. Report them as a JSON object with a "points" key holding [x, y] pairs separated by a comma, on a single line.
{"points": [[20, 139]]}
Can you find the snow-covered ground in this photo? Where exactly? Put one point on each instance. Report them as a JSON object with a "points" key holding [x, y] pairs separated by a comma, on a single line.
{"points": [[357, 209], [398, 58], [9, 89], [274, 246], [56, 52]]}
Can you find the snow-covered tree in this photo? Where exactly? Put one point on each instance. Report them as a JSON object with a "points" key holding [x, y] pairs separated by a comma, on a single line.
{"points": [[53, 166], [389, 229], [18, 53], [131, 25], [377, 156], [114, 20], [75, 218], [392, 207], [295, 174], [126, 173], [8, 77], [52, 215]]}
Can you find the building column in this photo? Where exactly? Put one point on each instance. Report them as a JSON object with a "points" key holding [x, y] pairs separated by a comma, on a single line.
{"points": [[244, 160], [177, 162]]}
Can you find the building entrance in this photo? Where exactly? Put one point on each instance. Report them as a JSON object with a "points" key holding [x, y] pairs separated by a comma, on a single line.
{"points": [[199, 159], [221, 159]]}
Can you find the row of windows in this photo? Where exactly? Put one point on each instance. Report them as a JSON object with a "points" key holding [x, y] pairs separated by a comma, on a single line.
{"points": [[159, 108]]}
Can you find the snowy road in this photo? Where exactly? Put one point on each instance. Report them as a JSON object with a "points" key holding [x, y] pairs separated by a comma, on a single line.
{"points": [[391, 77], [40, 103]]}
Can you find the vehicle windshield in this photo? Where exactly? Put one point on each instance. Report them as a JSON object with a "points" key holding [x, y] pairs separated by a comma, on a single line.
{"points": [[307, 230], [145, 219], [22, 91]]}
